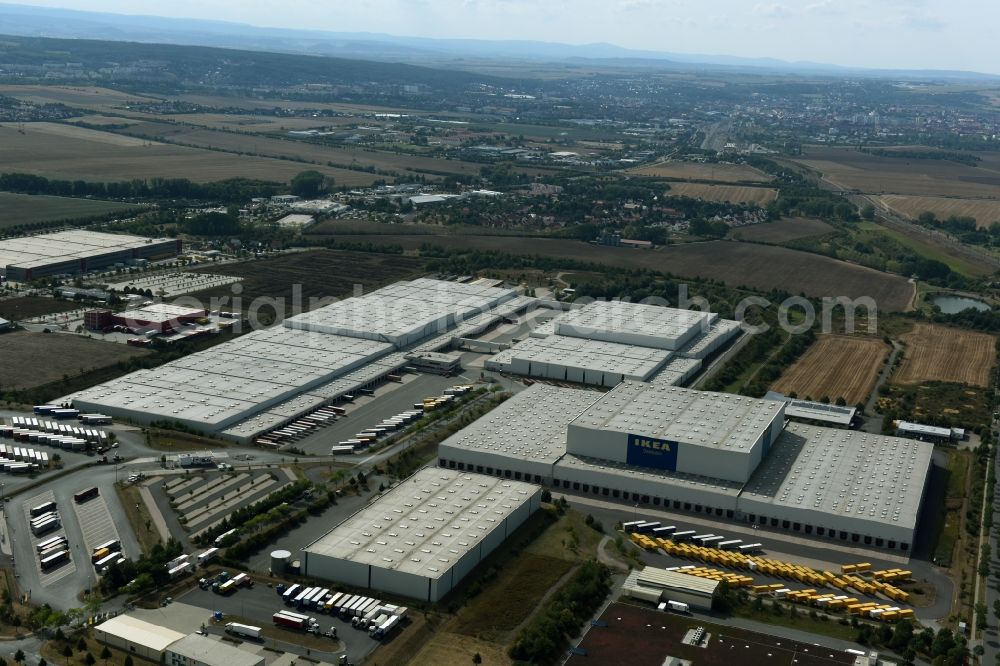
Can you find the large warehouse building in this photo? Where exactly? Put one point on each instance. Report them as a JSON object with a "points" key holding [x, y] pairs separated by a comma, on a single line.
{"points": [[267, 378], [422, 537], [722, 455], [605, 343], [77, 251]]}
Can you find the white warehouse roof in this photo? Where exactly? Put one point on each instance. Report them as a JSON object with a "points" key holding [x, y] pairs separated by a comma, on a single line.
{"points": [[633, 323], [404, 312], [140, 632], [842, 474], [215, 388], [44, 249], [530, 426], [203, 650], [427, 523], [712, 420], [578, 359]]}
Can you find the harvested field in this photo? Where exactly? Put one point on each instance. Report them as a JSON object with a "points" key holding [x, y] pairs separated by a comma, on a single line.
{"points": [[68, 152], [724, 193], [782, 230], [87, 97], [985, 211], [944, 354], [294, 279], [851, 169], [663, 633], [723, 173], [35, 359], [761, 267], [27, 209], [835, 366], [26, 307], [298, 150]]}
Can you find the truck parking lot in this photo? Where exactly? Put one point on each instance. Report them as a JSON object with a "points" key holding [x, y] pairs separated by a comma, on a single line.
{"points": [[257, 606]]}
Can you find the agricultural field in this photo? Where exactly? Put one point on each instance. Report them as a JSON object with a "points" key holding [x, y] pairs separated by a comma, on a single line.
{"points": [[850, 169], [985, 211], [28, 209], [781, 231], [762, 267], [318, 274], [760, 196], [85, 97], [26, 307], [303, 151], [722, 173], [835, 366], [36, 359], [69, 152], [937, 353]]}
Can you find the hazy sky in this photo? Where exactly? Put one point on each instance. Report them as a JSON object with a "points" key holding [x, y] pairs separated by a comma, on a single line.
{"points": [[913, 34]]}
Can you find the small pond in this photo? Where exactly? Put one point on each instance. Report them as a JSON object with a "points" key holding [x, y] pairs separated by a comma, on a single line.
{"points": [[955, 304]]}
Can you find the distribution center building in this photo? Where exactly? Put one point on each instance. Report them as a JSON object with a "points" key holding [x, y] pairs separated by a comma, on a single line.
{"points": [[604, 343], [77, 251], [266, 378], [722, 455], [423, 536]]}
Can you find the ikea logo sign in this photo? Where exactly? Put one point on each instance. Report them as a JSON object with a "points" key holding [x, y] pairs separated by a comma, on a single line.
{"points": [[650, 452]]}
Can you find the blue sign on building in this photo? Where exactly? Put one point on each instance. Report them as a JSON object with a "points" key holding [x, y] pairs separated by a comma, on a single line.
{"points": [[649, 452]]}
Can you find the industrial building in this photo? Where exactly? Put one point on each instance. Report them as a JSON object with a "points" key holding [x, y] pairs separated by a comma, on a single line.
{"points": [[722, 455], [268, 377], [136, 636], [296, 221], [198, 650], [817, 413], [580, 360], [635, 324], [605, 343], [77, 251], [231, 382], [403, 313], [657, 585], [421, 538], [159, 317]]}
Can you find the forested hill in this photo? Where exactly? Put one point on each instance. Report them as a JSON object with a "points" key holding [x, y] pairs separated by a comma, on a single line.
{"points": [[27, 58]]}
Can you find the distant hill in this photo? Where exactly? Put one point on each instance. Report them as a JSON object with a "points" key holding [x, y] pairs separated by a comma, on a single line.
{"points": [[222, 67], [65, 23]]}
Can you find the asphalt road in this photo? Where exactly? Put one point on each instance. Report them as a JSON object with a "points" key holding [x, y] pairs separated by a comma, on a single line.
{"points": [[991, 634]]}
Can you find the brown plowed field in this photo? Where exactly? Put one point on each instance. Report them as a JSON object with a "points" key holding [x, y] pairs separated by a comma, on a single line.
{"points": [[723, 173], [986, 211], [944, 354], [724, 193], [761, 267], [851, 169], [835, 366], [782, 230]]}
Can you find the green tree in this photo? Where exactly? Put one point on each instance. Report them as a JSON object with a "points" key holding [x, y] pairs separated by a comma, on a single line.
{"points": [[105, 653], [310, 184], [868, 212], [19, 655], [89, 659]]}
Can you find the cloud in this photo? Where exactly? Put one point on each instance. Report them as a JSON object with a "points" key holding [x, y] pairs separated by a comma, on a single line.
{"points": [[771, 10]]}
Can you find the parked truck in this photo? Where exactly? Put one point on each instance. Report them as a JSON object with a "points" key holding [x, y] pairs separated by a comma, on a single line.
{"points": [[294, 620], [244, 630], [380, 631], [678, 607]]}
